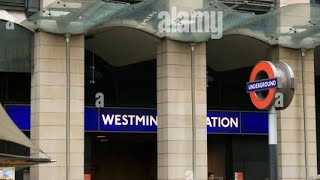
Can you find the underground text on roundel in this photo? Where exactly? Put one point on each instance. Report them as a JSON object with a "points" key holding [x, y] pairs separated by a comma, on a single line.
{"points": [[262, 85]]}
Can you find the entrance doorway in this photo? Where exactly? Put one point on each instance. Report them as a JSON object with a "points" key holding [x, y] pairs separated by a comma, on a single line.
{"points": [[118, 156], [247, 154]]}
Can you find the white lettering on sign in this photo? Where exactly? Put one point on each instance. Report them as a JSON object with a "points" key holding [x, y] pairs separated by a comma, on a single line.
{"points": [[149, 120], [262, 85], [140, 119], [223, 122], [131, 120]]}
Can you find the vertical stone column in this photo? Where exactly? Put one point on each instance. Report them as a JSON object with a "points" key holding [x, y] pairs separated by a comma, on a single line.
{"points": [[175, 110], [174, 104], [291, 151], [48, 106]]}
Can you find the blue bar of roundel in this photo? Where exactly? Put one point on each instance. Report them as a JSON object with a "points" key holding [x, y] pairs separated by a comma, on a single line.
{"points": [[20, 114], [218, 119], [91, 119], [115, 113], [254, 122], [263, 88]]}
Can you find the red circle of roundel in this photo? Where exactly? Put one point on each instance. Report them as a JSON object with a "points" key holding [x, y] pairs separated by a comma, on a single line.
{"points": [[266, 67]]}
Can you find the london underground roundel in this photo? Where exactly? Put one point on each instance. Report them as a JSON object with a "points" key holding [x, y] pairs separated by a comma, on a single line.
{"points": [[266, 81]]}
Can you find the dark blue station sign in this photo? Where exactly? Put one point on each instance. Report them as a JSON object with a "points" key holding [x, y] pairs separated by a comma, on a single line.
{"points": [[145, 120], [262, 85]]}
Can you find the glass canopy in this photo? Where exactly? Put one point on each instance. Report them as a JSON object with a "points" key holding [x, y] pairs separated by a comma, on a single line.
{"points": [[293, 26], [72, 16]]}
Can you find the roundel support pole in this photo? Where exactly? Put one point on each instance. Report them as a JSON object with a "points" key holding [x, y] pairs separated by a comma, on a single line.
{"points": [[273, 138]]}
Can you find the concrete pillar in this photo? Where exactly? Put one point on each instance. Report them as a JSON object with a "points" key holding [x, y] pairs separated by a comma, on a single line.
{"points": [[174, 104], [290, 121], [48, 105], [175, 110]]}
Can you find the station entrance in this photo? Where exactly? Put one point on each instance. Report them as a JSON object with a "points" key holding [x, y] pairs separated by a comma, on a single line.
{"points": [[237, 136], [132, 155], [118, 156], [231, 154]]}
